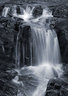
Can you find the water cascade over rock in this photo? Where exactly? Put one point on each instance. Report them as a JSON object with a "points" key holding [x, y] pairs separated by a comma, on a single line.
{"points": [[5, 11], [44, 52]]}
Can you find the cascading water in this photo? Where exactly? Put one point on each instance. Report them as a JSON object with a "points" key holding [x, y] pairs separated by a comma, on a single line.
{"points": [[5, 11], [45, 55], [45, 45]]}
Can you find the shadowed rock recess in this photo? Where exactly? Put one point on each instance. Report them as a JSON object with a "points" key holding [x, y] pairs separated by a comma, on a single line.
{"points": [[11, 27]]}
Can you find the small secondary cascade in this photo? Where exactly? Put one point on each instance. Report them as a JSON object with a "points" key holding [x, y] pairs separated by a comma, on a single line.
{"points": [[45, 54], [5, 11]]}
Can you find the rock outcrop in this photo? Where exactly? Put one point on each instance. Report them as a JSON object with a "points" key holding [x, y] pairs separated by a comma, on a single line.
{"points": [[60, 14], [57, 87], [38, 11]]}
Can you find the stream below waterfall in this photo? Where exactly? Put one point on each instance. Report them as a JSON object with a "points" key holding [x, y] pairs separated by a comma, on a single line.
{"points": [[44, 50]]}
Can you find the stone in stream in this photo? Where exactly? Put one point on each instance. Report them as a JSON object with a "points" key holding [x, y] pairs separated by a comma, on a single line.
{"points": [[57, 87], [38, 10], [1, 8], [18, 10]]}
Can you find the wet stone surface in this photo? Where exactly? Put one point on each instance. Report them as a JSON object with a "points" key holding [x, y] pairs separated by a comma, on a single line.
{"points": [[38, 11], [57, 87]]}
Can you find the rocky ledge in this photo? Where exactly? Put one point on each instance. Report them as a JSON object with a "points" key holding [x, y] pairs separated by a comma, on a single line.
{"points": [[57, 87]]}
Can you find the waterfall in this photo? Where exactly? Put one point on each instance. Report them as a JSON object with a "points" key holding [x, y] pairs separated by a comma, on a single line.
{"points": [[45, 46], [45, 55], [5, 11], [17, 52]]}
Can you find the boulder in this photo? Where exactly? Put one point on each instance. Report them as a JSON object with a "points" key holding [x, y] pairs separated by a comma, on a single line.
{"points": [[38, 10], [1, 8], [63, 92], [52, 93], [7, 89], [19, 10], [57, 87]]}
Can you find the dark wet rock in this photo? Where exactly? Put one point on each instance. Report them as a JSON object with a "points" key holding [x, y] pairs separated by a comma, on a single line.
{"points": [[59, 11], [61, 27], [7, 37], [57, 87], [24, 42], [52, 93], [6, 66], [18, 23], [38, 10], [7, 88], [7, 75], [64, 92], [25, 32], [18, 10], [1, 8], [54, 84]]}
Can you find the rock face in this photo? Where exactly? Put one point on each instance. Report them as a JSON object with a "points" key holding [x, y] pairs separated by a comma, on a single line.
{"points": [[57, 87], [1, 8], [61, 27], [24, 45], [7, 57], [7, 89], [60, 11], [6, 40], [38, 10]]}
